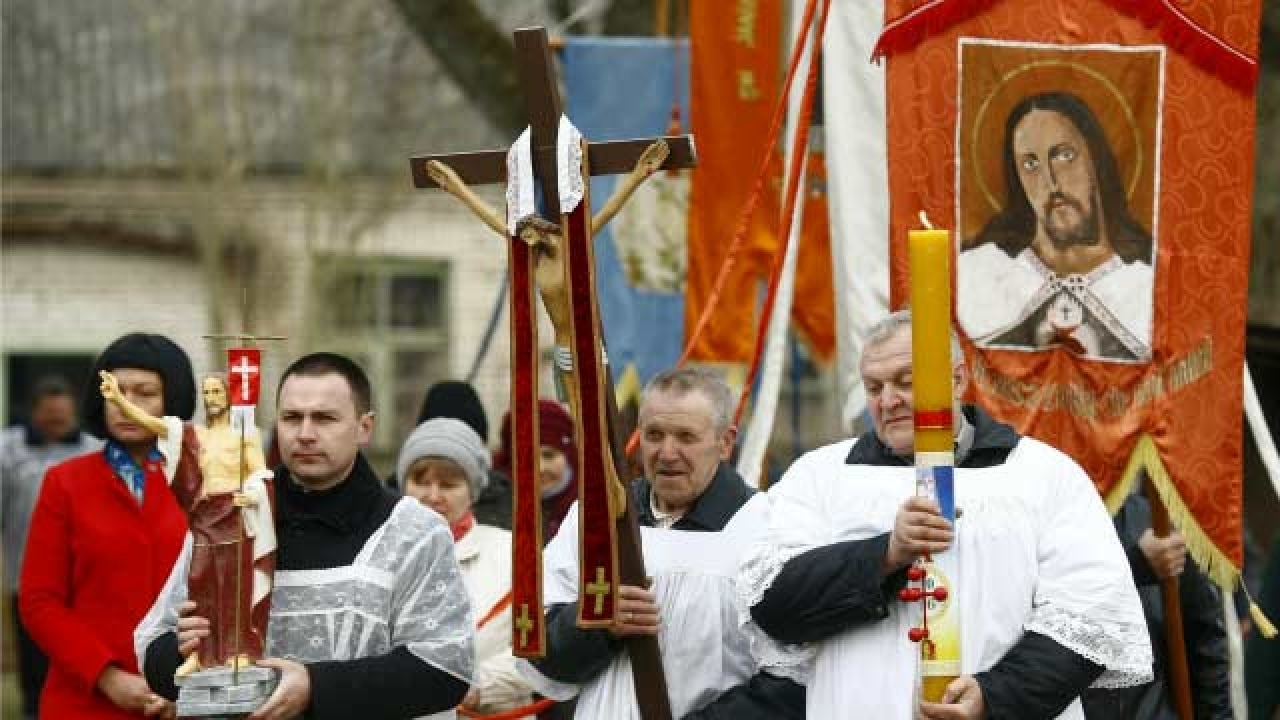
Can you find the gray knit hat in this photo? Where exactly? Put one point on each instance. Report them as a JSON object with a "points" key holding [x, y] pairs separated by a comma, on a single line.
{"points": [[451, 439]]}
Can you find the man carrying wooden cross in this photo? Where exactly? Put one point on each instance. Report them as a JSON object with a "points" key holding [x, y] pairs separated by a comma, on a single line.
{"points": [[597, 602], [697, 517]]}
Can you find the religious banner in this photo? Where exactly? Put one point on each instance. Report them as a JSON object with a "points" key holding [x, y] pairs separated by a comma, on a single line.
{"points": [[853, 91], [627, 88], [244, 371], [245, 367], [1098, 168], [736, 82]]}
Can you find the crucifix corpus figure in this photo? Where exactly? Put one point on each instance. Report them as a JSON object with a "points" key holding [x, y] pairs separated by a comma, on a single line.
{"points": [[557, 257]]}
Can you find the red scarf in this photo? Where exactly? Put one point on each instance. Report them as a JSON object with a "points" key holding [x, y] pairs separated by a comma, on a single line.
{"points": [[463, 526]]}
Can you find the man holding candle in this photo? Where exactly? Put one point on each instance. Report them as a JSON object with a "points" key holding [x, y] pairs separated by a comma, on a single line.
{"points": [[1064, 262], [1048, 607]]}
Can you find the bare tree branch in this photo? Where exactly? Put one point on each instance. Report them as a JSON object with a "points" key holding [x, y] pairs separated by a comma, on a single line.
{"points": [[630, 18], [474, 53]]}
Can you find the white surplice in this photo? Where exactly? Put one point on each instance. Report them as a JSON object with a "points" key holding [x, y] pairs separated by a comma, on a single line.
{"points": [[704, 650], [403, 588], [1037, 552]]}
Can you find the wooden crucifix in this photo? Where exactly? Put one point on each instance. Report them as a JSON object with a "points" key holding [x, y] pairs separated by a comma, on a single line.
{"points": [[599, 443]]}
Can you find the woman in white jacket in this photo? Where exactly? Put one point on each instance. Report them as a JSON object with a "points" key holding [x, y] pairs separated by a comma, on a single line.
{"points": [[444, 465]]}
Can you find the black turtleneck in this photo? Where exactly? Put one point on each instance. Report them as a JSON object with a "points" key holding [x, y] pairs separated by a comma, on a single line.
{"points": [[326, 529]]}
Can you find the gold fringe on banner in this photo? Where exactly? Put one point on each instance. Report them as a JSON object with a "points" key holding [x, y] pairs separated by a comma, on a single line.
{"points": [[1212, 561]]}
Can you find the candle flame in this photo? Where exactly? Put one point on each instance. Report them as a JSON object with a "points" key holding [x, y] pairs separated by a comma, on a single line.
{"points": [[924, 220]]}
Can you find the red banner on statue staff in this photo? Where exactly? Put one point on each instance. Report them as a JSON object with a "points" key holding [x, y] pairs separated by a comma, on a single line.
{"points": [[244, 375], [1099, 180]]}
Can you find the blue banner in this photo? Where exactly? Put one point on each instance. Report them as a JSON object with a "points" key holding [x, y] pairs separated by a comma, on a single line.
{"points": [[618, 89]]}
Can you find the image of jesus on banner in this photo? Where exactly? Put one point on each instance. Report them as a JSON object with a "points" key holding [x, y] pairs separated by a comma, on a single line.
{"points": [[1056, 186]]}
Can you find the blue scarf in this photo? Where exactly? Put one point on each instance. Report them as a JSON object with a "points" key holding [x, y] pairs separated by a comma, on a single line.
{"points": [[127, 469]]}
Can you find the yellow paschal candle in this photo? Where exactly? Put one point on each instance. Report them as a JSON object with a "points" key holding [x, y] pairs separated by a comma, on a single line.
{"points": [[930, 257]]}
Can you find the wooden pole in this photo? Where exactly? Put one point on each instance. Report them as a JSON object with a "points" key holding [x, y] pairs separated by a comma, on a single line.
{"points": [[643, 650], [1179, 677]]}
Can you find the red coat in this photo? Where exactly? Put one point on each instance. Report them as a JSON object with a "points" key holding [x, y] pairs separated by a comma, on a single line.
{"points": [[95, 563]]}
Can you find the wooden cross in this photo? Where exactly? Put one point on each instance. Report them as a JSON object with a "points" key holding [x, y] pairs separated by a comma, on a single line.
{"points": [[542, 100], [524, 624], [599, 589]]}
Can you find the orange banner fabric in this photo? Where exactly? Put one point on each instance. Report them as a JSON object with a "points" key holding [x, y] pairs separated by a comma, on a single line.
{"points": [[1099, 183], [733, 92], [734, 85], [813, 313]]}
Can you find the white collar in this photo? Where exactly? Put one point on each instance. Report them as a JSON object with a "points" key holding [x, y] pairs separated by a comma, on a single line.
{"points": [[662, 520]]}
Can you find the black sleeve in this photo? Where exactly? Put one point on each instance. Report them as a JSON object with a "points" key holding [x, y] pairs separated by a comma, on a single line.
{"points": [[395, 685], [574, 655], [1205, 634], [762, 697], [1037, 678], [161, 663], [828, 590]]}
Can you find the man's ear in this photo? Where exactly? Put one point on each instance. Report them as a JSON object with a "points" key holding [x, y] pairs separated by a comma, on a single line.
{"points": [[727, 440], [364, 429], [960, 379]]}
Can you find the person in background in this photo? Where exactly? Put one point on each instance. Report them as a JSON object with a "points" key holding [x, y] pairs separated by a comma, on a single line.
{"points": [[1262, 655], [50, 435], [1152, 559], [444, 465], [457, 399], [105, 531], [557, 466]]}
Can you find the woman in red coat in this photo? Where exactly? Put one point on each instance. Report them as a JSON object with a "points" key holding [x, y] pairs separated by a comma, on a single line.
{"points": [[104, 536]]}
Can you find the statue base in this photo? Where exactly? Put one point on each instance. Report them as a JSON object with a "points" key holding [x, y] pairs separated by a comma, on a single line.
{"points": [[223, 692]]}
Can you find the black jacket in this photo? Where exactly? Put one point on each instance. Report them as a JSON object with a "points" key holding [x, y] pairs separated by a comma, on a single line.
{"points": [[575, 655], [830, 589]]}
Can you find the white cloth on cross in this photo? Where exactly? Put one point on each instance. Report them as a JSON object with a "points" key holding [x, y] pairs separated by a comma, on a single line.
{"points": [[521, 182]]}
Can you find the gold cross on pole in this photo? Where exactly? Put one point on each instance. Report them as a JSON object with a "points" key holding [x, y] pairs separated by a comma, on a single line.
{"points": [[524, 624], [599, 589]]}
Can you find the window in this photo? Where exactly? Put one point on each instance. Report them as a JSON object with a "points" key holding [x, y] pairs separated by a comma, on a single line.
{"points": [[389, 315]]}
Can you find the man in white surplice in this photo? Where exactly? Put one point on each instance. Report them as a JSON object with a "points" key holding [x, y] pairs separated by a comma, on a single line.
{"points": [[1048, 606], [696, 516]]}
